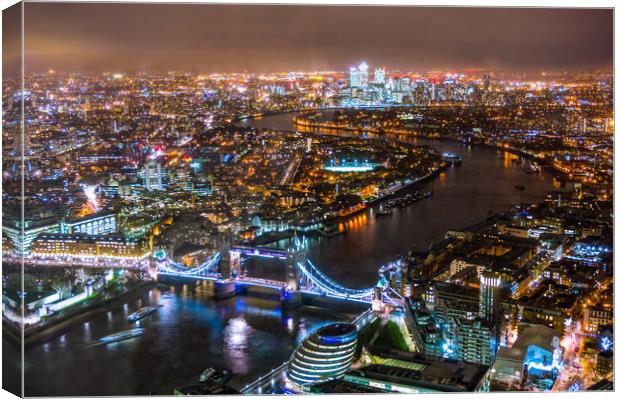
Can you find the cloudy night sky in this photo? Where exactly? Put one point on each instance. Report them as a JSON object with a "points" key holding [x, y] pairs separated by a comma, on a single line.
{"points": [[233, 38]]}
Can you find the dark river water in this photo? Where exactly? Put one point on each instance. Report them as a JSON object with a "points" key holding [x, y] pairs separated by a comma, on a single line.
{"points": [[251, 334], [246, 334]]}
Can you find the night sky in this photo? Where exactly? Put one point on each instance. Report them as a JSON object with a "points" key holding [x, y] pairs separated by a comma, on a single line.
{"points": [[221, 38]]}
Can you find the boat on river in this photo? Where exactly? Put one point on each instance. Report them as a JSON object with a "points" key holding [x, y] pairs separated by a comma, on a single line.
{"points": [[121, 336], [452, 159], [531, 167], [383, 211], [142, 313]]}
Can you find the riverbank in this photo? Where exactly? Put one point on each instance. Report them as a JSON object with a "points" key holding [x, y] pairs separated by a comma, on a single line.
{"points": [[39, 334], [380, 132], [411, 134], [418, 181]]}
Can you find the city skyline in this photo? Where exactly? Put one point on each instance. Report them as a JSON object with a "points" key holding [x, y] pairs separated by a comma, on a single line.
{"points": [[240, 38], [361, 211]]}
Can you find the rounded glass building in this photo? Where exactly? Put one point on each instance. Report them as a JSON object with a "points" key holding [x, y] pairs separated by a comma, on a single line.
{"points": [[327, 353]]}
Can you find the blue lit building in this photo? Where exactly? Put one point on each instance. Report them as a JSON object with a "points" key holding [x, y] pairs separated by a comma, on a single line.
{"points": [[350, 165], [354, 78], [326, 354], [537, 351]]}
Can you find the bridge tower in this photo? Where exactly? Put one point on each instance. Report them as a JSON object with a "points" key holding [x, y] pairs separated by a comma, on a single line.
{"points": [[230, 263], [291, 296], [152, 268], [230, 267]]}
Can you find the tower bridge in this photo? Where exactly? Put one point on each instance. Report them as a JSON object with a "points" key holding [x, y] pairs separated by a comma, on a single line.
{"points": [[301, 276]]}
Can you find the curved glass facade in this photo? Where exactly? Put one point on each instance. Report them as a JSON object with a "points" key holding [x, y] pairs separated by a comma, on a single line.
{"points": [[327, 353]]}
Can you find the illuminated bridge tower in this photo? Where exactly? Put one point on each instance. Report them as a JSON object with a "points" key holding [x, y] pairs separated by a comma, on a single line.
{"points": [[230, 268], [291, 295]]}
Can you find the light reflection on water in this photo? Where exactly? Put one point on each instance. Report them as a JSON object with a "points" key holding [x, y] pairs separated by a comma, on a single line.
{"points": [[190, 332], [236, 336]]}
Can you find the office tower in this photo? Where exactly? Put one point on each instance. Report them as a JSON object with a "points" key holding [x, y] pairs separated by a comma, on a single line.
{"points": [[449, 83], [153, 178], [380, 76], [203, 185], [354, 77], [476, 341], [363, 74], [396, 84], [490, 285], [405, 85], [486, 82]]}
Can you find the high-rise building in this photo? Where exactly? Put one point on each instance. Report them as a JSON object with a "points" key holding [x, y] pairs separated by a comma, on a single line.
{"points": [[153, 176], [490, 285], [380, 76], [396, 84], [452, 324], [405, 84], [354, 77], [363, 74], [486, 82], [476, 341]]}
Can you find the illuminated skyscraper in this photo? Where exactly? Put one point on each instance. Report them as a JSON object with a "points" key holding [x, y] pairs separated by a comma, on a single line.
{"points": [[405, 85], [153, 176], [354, 77], [363, 74], [380, 76], [396, 84], [490, 285]]}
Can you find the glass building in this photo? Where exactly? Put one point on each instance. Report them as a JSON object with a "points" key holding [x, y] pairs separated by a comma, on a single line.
{"points": [[327, 353]]}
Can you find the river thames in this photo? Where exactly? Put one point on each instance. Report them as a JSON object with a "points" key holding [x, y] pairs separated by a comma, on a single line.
{"points": [[462, 196], [251, 334]]}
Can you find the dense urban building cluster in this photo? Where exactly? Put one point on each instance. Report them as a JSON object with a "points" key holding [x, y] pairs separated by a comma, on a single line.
{"points": [[153, 173]]}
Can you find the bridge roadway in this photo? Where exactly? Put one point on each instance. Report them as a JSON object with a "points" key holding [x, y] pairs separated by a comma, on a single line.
{"points": [[263, 252], [310, 279], [252, 281], [317, 283]]}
